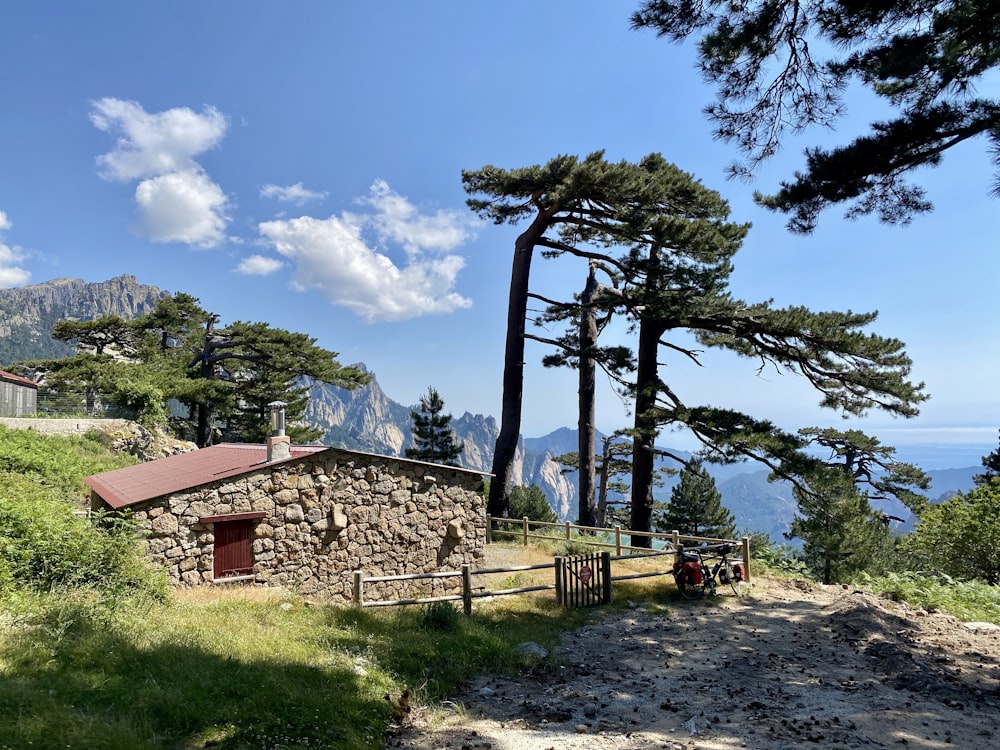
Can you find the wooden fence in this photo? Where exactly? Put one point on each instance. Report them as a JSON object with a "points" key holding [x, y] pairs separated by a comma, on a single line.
{"points": [[592, 536], [568, 575]]}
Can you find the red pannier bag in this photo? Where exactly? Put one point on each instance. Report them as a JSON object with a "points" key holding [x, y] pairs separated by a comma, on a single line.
{"points": [[692, 573], [738, 572]]}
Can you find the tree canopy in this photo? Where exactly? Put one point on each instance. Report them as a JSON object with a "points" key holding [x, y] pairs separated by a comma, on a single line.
{"points": [[695, 507], [224, 376], [669, 242], [784, 65], [961, 536]]}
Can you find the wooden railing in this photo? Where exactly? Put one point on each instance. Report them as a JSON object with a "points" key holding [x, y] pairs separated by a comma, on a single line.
{"points": [[592, 536], [469, 592]]}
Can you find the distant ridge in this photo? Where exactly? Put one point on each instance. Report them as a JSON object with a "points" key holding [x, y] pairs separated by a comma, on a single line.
{"points": [[29, 313]]}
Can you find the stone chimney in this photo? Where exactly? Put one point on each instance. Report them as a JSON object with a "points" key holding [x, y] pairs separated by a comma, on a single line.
{"points": [[279, 445]]}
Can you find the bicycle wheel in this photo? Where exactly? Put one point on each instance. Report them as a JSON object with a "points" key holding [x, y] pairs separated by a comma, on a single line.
{"points": [[688, 587], [728, 574]]}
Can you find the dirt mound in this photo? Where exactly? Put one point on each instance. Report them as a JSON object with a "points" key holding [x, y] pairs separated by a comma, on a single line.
{"points": [[790, 665]]}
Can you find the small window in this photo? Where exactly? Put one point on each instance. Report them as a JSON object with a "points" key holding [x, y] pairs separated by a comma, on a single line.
{"points": [[233, 549]]}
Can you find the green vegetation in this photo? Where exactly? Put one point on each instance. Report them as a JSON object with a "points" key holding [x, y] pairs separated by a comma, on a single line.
{"points": [[961, 536], [696, 506], [530, 502], [969, 600], [237, 672], [782, 66], [225, 377], [433, 439], [666, 245], [95, 653]]}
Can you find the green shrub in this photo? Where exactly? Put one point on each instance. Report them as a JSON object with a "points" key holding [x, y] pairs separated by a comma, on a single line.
{"points": [[960, 537], [440, 616], [44, 545]]}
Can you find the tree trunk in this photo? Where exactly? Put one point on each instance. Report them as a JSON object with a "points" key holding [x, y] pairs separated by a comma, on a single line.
{"points": [[585, 424], [601, 517], [513, 369], [643, 456]]}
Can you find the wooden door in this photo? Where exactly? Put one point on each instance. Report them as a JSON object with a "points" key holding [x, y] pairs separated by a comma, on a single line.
{"points": [[233, 549]]}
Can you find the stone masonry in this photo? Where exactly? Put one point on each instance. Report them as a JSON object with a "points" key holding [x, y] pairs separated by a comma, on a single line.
{"points": [[325, 516]]}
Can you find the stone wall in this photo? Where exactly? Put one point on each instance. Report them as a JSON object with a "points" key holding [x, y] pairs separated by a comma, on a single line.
{"points": [[325, 516]]}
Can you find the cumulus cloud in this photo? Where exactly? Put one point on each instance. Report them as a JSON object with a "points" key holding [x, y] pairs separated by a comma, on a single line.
{"points": [[183, 207], [332, 256], [398, 220], [258, 265], [11, 274], [296, 193], [177, 200]]}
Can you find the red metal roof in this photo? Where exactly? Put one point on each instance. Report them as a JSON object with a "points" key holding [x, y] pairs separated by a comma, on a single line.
{"points": [[11, 377], [134, 484]]}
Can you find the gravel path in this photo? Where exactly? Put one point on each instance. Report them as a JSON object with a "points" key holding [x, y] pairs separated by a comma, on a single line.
{"points": [[791, 665]]}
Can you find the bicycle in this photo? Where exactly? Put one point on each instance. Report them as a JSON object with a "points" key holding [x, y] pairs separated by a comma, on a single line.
{"points": [[694, 575]]}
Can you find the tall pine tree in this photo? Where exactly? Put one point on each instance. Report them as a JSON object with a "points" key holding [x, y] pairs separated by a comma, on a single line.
{"points": [[432, 436], [696, 507]]}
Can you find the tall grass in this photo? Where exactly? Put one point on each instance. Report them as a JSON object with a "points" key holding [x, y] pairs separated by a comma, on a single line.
{"points": [[239, 672]]}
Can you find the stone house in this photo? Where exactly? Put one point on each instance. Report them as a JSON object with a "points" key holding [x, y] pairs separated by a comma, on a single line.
{"points": [[301, 517]]}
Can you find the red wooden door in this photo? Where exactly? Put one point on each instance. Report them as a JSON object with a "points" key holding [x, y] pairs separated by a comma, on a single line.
{"points": [[233, 549]]}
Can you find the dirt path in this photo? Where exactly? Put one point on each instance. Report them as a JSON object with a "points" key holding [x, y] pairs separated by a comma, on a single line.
{"points": [[791, 665]]}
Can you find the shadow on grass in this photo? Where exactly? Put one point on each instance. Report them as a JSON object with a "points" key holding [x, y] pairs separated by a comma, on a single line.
{"points": [[79, 678], [88, 685]]}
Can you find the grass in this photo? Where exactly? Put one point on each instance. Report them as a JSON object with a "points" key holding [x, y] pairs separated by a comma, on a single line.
{"points": [[240, 669], [967, 600]]}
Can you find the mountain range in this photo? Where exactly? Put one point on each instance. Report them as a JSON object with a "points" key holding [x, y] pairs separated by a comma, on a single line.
{"points": [[367, 419]]}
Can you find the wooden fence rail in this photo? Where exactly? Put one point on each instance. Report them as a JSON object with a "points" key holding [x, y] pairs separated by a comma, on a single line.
{"points": [[572, 588], [593, 536]]}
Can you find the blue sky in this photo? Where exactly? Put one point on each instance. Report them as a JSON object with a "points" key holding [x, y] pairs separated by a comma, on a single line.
{"points": [[300, 163]]}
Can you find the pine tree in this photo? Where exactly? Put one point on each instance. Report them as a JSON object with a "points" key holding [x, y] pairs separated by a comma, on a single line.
{"points": [[695, 507], [991, 464], [530, 502], [926, 59], [842, 533], [670, 243], [225, 376], [841, 536], [432, 436]]}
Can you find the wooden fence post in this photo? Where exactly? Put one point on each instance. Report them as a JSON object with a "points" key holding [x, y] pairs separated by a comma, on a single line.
{"points": [[359, 582], [568, 526], [524, 523], [606, 577], [467, 589], [746, 559], [489, 529], [618, 540], [675, 539], [560, 594]]}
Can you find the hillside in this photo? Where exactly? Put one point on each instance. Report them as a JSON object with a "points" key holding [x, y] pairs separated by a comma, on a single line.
{"points": [[28, 313]]}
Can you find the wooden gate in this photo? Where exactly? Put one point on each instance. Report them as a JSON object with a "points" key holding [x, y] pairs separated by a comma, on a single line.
{"points": [[584, 580]]}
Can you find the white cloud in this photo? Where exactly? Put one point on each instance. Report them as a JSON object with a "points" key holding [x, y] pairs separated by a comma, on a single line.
{"points": [[154, 144], [398, 220], [11, 274], [258, 265], [182, 207], [331, 256], [296, 193], [177, 200]]}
